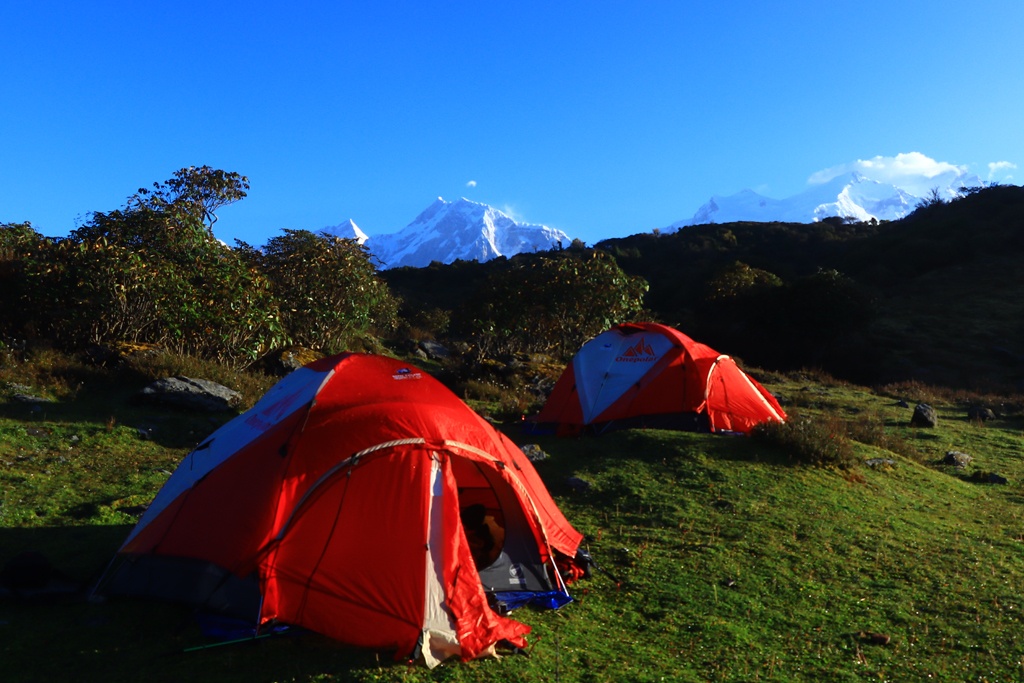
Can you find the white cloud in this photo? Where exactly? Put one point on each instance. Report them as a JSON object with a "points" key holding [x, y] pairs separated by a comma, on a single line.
{"points": [[511, 212], [1000, 170], [471, 183], [913, 172]]}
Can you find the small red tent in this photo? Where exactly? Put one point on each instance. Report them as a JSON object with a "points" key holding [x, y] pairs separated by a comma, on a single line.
{"points": [[334, 504], [646, 374]]}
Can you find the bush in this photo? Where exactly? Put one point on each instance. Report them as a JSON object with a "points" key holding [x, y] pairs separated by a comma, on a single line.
{"points": [[19, 243], [154, 273], [327, 289], [550, 303], [809, 442], [740, 281]]}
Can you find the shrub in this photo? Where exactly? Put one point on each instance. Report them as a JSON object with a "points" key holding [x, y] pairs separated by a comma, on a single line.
{"points": [[550, 303], [809, 442], [327, 288], [740, 280], [153, 272], [19, 243]]}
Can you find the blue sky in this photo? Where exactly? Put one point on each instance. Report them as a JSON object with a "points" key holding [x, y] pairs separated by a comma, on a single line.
{"points": [[599, 118]]}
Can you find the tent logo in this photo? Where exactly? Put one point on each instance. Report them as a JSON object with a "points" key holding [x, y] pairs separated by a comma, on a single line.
{"points": [[516, 575], [641, 352], [406, 373]]}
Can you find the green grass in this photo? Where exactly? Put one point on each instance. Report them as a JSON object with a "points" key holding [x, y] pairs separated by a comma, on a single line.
{"points": [[731, 563]]}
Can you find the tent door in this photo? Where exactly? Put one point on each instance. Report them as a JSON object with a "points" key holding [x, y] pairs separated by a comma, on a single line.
{"points": [[517, 567]]}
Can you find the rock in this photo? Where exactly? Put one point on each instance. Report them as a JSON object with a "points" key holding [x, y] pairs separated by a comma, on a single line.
{"points": [[880, 462], [534, 453], [980, 414], [291, 358], [875, 638], [957, 459], [434, 350], [191, 394], [902, 404], [29, 398], [924, 416], [120, 353]]}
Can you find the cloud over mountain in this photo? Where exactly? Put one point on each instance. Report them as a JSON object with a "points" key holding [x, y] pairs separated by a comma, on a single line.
{"points": [[883, 188]]}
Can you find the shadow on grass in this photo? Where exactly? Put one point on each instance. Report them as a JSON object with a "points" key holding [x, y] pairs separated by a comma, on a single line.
{"points": [[64, 634], [168, 427]]}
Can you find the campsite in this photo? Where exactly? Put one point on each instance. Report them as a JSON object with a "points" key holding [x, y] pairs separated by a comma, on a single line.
{"points": [[848, 543]]}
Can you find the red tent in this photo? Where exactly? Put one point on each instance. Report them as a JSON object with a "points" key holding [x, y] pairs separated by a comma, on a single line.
{"points": [[334, 504], [646, 374]]}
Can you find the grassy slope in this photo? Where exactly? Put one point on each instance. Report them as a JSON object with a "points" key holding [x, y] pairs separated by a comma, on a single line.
{"points": [[734, 564]]}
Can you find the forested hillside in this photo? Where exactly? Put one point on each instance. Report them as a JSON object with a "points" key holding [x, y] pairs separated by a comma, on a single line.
{"points": [[935, 297]]}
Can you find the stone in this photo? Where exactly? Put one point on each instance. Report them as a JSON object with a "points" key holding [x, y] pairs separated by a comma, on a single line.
{"points": [[880, 462], [191, 394], [980, 414], [534, 453], [924, 416], [434, 350], [957, 459], [290, 358]]}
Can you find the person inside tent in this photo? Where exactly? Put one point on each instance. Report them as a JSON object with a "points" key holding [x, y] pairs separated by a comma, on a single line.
{"points": [[486, 537]]}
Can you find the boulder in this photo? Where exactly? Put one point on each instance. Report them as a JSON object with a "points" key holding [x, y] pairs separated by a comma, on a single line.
{"points": [[957, 459], [534, 453], [880, 462], [434, 350], [924, 416], [291, 358], [980, 414], [191, 394]]}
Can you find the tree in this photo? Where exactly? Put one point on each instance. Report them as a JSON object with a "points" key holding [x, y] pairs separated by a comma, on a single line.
{"points": [[198, 192], [933, 198], [327, 288], [20, 244], [551, 303], [153, 272], [740, 281]]}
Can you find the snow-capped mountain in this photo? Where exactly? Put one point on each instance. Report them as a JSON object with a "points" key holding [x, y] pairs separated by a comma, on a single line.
{"points": [[447, 231], [347, 230], [848, 195]]}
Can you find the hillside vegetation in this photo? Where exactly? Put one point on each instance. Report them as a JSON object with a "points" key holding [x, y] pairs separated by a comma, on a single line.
{"points": [[937, 296], [842, 547]]}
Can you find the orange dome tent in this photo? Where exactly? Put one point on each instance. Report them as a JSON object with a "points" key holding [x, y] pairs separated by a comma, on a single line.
{"points": [[646, 374], [334, 504]]}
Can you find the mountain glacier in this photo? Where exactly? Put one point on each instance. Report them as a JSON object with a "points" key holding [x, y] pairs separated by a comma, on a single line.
{"points": [[464, 229], [849, 195]]}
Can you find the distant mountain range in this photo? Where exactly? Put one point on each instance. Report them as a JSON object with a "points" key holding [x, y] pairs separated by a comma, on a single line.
{"points": [[850, 195], [449, 231], [467, 230]]}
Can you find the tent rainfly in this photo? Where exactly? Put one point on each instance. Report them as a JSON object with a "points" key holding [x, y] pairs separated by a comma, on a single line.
{"points": [[361, 499]]}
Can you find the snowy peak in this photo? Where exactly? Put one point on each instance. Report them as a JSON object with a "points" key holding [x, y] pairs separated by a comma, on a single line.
{"points": [[467, 230], [347, 230], [848, 195]]}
